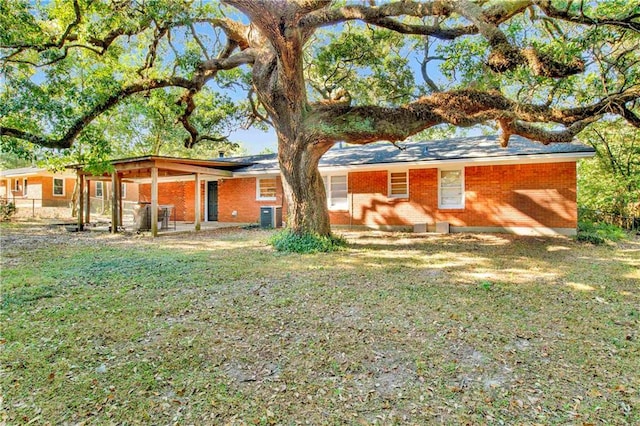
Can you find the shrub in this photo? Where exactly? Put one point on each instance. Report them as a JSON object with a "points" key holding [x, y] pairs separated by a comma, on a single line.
{"points": [[7, 210], [598, 232], [589, 237], [291, 242]]}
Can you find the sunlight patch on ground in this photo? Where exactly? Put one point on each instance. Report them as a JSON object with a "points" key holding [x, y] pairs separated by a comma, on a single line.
{"points": [[557, 248], [213, 245], [438, 260], [482, 275], [511, 275], [580, 286], [633, 276]]}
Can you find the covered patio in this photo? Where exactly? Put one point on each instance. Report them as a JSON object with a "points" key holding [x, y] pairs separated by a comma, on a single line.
{"points": [[154, 170]]}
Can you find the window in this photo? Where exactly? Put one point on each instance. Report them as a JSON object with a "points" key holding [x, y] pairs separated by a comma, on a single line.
{"points": [[16, 185], [266, 189], [336, 189], [99, 189], [58, 186], [398, 187], [123, 190], [451, 189], [24, 186]]}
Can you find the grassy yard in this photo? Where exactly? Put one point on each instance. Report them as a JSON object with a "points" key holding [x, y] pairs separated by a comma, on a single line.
{"points": [[397, 329]]}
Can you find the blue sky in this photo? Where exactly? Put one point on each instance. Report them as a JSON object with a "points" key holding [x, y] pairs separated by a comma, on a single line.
{"points": [[255, 140]]}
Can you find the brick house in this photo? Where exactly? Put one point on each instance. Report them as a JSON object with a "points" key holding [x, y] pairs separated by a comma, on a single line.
{"points": [[100, 193], [468, 184], [32, 183], [37, 191]]}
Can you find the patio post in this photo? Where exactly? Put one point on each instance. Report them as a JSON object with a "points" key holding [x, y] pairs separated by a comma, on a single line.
{"points": [[114, 203], [197, 202], [87, 213], [120, 205], [154, 201], [80, 202]]}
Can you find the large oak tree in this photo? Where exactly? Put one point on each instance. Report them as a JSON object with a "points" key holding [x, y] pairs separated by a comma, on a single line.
{"points": [[322, 71]]}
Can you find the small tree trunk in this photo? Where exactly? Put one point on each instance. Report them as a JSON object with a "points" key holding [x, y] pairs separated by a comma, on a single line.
{"points": [[74, 198], [303, 187]]}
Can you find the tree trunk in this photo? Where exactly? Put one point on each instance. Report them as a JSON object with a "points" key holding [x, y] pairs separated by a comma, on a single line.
{"points": [[303, 186], [278, 78]]}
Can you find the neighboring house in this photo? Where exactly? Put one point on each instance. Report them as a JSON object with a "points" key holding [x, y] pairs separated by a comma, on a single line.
{"points": [[37, 191], [33, 187], [100, 193], [471, 184]]}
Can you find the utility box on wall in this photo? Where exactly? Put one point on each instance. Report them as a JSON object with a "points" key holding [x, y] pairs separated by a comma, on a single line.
{"points": [[271, 217]]}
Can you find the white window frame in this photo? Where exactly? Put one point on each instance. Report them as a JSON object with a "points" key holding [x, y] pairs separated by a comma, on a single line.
{"points": [[16, 185], [123, 190], [100, 184], [406, 181], [258, 192], [24, 186], [344, 206], [462, 189], [53, 188]]}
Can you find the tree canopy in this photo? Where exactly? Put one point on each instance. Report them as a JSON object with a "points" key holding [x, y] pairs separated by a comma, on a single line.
{"points": [[318, 71]]}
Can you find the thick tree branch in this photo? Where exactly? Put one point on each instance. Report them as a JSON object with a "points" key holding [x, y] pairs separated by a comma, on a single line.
{"points": [[206, 71], [629, 22], [382, 16], [226, 63], [504, 56], [235, 31], [365, 124], [66, 140], [371, 14]]}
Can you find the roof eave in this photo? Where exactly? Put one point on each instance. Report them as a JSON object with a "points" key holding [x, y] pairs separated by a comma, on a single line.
{"points": [[480, 161]]}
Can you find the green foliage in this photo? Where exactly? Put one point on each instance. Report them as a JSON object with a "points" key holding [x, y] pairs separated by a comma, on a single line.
{"points": [[14, 154], [486, 285], [369, 63], [7, 210], [50, 98], [291, 242], [610, 182], [599, 233]]}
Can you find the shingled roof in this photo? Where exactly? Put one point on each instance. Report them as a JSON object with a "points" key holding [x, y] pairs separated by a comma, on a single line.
{"points": [[466, 148]]}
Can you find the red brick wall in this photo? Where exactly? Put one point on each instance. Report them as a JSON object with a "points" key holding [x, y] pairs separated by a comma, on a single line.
{"points": [[240, 195], [521, 195], [181, 195], [495, 196]]}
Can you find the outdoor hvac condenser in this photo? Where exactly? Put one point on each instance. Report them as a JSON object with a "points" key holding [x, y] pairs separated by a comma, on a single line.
{"points": [[271, 217]]}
